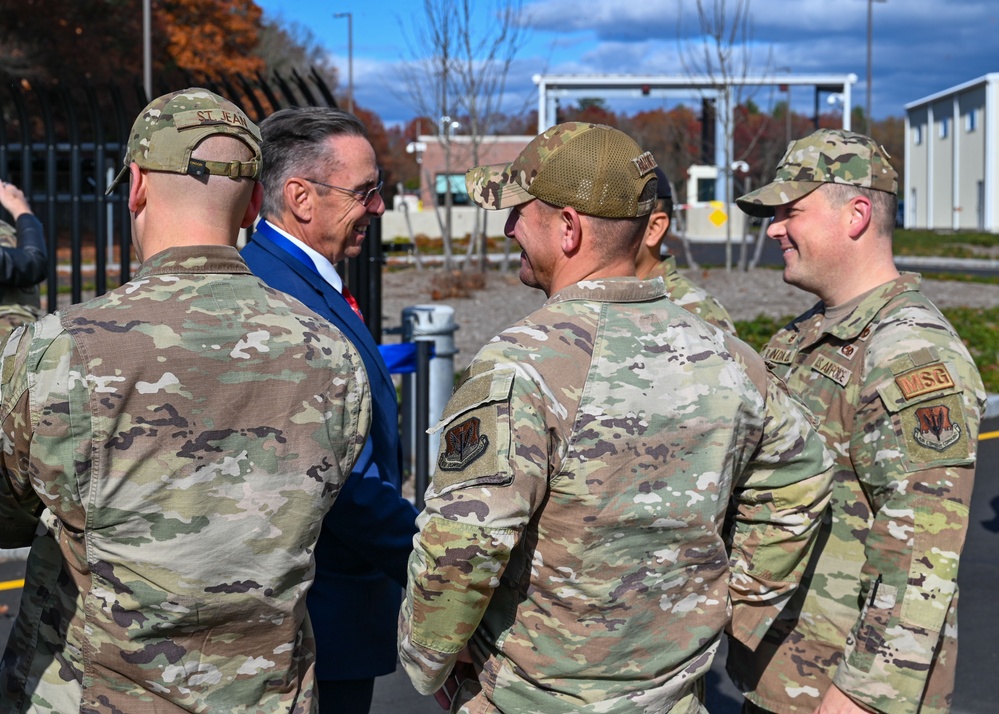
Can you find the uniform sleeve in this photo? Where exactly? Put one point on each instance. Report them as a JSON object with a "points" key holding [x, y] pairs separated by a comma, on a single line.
{"points": [[19, 505], [25, 265], [776, 512], [914, 450], [491, 476]]}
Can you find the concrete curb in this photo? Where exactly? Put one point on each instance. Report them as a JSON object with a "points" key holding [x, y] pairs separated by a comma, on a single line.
{"points": [[918, 261]]}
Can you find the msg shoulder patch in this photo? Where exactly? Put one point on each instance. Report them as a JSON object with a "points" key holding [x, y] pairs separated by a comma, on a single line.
{"points": [[924, 380]]}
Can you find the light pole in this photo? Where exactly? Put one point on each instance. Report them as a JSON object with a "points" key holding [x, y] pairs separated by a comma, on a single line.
{"points": [[350, 59], [147, 53], [870, 32], [787, 109]]}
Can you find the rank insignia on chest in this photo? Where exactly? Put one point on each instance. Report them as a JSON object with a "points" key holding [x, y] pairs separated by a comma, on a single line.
{"points": [[847, 351], [464, 445], [924, 380], [934, 428]]}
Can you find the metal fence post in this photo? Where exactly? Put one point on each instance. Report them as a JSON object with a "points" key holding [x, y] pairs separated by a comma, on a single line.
{"points": [[421, 475], [427, 323]]}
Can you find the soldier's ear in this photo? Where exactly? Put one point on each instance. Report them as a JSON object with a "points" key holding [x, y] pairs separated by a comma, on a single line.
{"points": [[253, 207], [656, 229], [570, 230], [136, 188], [859, 211]]}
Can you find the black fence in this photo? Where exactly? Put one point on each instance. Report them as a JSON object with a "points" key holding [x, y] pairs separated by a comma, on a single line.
{"points": [[64, 145]]}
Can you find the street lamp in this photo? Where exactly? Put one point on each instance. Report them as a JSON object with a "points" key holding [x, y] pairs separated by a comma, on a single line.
{"points": [[350, 58], [870, 25]]}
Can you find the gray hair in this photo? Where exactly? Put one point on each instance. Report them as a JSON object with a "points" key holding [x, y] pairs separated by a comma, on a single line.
{"points": [[294, 144]]}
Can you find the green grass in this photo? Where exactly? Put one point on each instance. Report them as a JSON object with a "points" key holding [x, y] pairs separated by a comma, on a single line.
{"points": [[979, 330], [977, 327], [948, 245]]}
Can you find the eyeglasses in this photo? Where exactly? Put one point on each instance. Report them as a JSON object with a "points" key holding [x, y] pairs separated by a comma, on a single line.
{"points": [[365, 197]]}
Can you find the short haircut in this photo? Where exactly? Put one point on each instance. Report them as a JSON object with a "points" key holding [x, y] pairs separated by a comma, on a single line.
{"points": [[295, 144], [664, 205], [884, 204]]}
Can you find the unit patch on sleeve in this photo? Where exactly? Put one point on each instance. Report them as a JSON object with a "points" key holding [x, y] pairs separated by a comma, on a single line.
{"points": [[463, 445], [931, 378], [936, 432]]}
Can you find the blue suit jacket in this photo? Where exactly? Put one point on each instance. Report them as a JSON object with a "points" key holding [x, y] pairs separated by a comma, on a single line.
{"points": [[362, 554]]}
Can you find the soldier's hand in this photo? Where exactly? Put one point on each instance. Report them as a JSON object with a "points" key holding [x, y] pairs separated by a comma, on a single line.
{"points": [[13, 199], [461, 671]]}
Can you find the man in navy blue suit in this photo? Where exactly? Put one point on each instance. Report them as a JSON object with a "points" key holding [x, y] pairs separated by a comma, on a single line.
{"points": [[321, 188]]}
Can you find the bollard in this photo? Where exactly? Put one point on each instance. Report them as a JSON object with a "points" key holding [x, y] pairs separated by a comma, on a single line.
{"points": [[427, 323]]}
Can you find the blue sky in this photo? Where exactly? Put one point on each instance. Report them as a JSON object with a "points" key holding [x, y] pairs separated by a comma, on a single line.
{"points": [[919, 46]]}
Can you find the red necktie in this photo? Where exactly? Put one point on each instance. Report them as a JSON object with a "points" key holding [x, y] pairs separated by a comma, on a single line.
{"points": [[352, 302]]}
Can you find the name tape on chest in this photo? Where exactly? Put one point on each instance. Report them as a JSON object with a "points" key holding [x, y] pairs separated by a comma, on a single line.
{"points": [[924, 380], [778, 355]]}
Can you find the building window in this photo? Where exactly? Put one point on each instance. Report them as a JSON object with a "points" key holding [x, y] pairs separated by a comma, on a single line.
{"points": [[944, 127], [971, 120], [917, 135], [459, 195]]}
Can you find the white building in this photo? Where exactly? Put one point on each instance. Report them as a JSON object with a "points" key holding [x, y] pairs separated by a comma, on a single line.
{"points": [[951, 167]]}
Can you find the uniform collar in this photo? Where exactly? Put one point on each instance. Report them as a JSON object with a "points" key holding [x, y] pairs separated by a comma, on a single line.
{"points": [[196, 259], [628, 289], [853, 323]]}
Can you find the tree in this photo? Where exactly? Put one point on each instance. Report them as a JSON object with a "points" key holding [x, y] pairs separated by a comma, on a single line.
{"points": [[722, 55], [48, 41], [459, 67]]}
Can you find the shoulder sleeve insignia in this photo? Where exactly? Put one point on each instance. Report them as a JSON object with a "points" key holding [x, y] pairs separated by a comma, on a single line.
{"points": [[464, 445], [924, 380], [934, 428]]}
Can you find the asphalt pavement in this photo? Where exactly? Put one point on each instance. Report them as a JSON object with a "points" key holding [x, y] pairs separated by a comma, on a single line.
{"points": [[977, 689]]}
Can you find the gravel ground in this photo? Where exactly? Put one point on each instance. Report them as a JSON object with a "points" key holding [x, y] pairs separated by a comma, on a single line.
{"points": [[505, 300]]}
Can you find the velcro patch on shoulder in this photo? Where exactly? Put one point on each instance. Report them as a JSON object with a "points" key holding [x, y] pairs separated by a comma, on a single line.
{"points": [[924, 380], [936, 430]]}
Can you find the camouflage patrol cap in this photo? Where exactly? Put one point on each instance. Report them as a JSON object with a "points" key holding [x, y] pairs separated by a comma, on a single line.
{"points": [[170, 127], [826, 156], [596, 169]]}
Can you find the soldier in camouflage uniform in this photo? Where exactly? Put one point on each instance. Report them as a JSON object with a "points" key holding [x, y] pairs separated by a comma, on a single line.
{"points": [[897, 398], [571, 556], [650, 264], [169, 451], [23, 262]]}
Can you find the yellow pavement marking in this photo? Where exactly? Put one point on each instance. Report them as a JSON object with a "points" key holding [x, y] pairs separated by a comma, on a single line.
{"points": [[11, 585], [988, 435]]}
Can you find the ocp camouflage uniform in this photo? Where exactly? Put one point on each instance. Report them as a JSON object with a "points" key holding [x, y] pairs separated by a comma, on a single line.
{"points": [[22, 267], [573, 530], [898, 400], [185, 434], [691, 297]]}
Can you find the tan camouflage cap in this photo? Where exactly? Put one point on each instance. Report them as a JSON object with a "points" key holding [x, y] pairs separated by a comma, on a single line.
{"points": [[170, 127], [826, 156], [596, 169]]}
